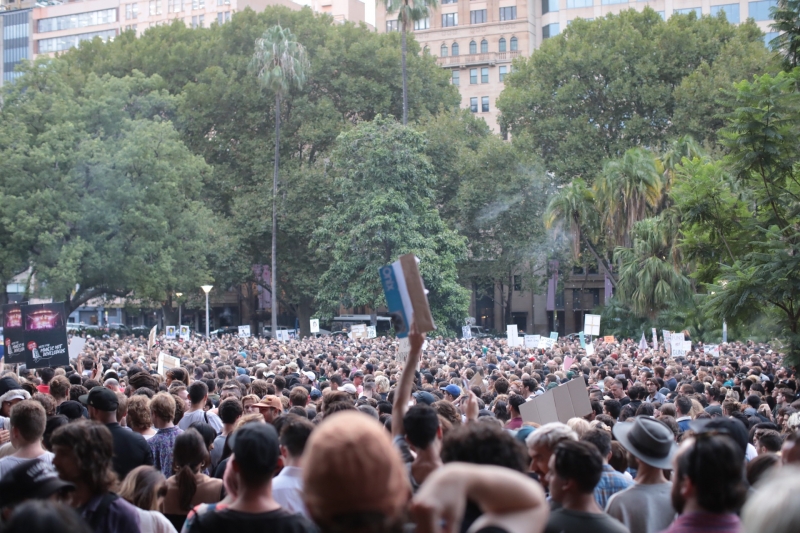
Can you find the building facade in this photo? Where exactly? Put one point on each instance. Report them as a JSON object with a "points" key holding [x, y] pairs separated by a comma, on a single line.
{"points": [[16, 28], [476, 40]]}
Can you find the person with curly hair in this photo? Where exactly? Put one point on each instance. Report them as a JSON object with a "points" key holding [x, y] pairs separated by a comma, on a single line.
{"points": [[83, 456]]}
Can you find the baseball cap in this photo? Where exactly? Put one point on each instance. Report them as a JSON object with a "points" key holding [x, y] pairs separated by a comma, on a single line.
{"points": [[424, 397], [310, 375], [8, 383], [101, 398], [256, 446], [271, 401], [349, 387], [71, 409], [453, 390], [32, 480], [15, 394]]}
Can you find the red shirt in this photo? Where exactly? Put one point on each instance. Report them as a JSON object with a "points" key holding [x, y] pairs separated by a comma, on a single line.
{"points": [[514, 423], [44, 389], [705, 523]]}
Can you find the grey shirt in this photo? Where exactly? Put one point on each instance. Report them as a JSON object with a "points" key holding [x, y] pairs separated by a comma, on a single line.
{"points": [[643, 508]]}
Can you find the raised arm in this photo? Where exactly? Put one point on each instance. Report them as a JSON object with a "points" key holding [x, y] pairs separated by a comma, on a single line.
{"points": [[403, 390]]}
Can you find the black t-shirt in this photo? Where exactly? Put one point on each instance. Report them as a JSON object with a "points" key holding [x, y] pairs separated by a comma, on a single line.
{"points": [[278, 521], [130, 450], [566, 521]]}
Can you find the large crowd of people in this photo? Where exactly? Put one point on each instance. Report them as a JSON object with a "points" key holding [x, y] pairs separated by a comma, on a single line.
{"points": [[333, 435]]}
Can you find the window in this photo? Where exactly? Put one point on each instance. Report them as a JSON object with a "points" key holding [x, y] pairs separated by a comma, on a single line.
{"points": [[454, 49], [484, 104], [131, 11], [473, 104], [473, 76], [194, 21], [201, 20], [548, 6], [227, 16], [477, 17], [155, 7], [392, 25], [81, 20], [485, 75], [484, 46], [130, 27], [517, 283], [551, 30], [572, 4], [503, 72], [443, 51], [608, 2], [423, 24], [513, 44], [473, 47], [455, 76], [501, 46], [449, 1], [760, 10], [663, 15], [696, 10], [769, 36], [508, 13], [58, 44], [220, 17], [731, 12], [174, 6], [449, 19]]}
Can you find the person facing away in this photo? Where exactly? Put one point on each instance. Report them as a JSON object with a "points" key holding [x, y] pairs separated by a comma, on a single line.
{"points": [[575, 470], [28, 420], [198, 395], [646, 507], [611, 482], [287, 486]]}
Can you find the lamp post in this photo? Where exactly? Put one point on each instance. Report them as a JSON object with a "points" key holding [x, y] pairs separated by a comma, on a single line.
{"points": [[207, 289], [179, 294], [724, 283]]}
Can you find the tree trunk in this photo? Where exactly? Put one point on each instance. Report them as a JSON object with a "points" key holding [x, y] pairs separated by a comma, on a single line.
{"points": [[510, 295], [405, 77], [600, 262], [304, 312], [274, 273]]}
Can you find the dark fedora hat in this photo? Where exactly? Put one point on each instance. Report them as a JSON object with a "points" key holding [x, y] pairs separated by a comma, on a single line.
{"points": [[649, 440]]}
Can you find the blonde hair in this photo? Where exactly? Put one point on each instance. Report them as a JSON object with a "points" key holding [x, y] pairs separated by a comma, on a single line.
{"points": [[579, 426]]}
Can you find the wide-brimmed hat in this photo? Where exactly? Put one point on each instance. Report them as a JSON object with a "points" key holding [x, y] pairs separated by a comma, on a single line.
{"points": [[649, 440]]}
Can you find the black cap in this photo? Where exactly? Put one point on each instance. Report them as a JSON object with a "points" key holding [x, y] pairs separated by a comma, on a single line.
{"points": [[735, 429], [8, 383], [256, 446], [425, 397], [34, 479], [71, 409], [101, 398]]}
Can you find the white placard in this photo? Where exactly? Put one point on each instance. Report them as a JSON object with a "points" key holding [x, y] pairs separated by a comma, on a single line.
{"points": [[358, 331], [680, 347], [244, 331], [591, 325], [532, 341], [314, 325], [76, 345], [171, 333], [545, 343], [282, 335], [404, 348], [371, 332], [185, 333], [466, 332], [512, 334], [589, 348], [165, 362]]}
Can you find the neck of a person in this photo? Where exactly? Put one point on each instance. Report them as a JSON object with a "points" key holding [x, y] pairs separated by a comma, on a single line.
{"points": [[227, 429], [81, 495], [59, 401], [290, 460], [582, 502], [162, 424], [691, 506], [29, 450], [649, 475], [105, 417], [196, 407], [255, 499], [430, 455]]}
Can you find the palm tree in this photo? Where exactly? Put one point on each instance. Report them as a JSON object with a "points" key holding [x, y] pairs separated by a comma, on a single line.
{"points": [[575, 205], [408, 12], [629, 189], [787, 23], [281, 64]]}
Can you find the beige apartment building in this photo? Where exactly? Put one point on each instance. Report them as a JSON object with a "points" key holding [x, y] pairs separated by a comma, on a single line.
{"points": [[478, 39]]}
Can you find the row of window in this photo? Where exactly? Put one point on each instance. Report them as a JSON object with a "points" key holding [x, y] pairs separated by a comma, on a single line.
{"points": [[78, 20], [550, 30], [473, 47], [476, 16], [455, 75], [759, 10], [473, 104], [155, 7], [59, 44]]}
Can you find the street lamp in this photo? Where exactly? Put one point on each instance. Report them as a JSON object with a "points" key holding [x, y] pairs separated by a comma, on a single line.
{"points": [[179, 294], [207, 289], [724, 283]]}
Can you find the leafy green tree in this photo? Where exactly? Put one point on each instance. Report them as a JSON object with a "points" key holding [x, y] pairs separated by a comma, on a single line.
{"points": [[382, 208], [281, 65], [786, 17], [408, 12]]}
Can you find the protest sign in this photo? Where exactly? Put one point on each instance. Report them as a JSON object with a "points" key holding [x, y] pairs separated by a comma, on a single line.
{"points": [[558, 404], [545, 343], [76, 345], [568, 363], [185, 332], [358, 331], [466, 332], [45, 335], [151, 338], [406, 296], [554, 335], [14, 333], [372, 332], [512, 334], [244, 331], [314, 325], [171, 334], [532, 341], [582, 337], [591, 325], [282, 335], [655, 340], [590, 349], [167, 362], [609, 339]]}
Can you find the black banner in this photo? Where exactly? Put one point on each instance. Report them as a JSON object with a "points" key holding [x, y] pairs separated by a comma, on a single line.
{"points": [[14, 333], [45, 335]]}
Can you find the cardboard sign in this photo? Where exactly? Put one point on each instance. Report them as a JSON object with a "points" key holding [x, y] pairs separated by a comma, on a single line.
{"points": [[358, 331], [545, 343], [466, 332], [372, 332], [532, 341], [568, 361], [45, 335], [14, 333], [554, 335], [512, 335], [76, 345], [185, 333], [558, 404], [590, 349], [655, 340], [609, 339], [244, 331], [404, 348], [667, 343], [282, 335], [406, 296], [151, 338], [583, 339], [171, 332], [166, 362], [314, 325], [591, 325]]}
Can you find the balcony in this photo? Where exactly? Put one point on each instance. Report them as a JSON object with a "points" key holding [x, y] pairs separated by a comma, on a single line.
{"points": [[469, 60]]}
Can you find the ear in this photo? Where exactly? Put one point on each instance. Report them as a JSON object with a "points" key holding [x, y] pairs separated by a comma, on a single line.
{"points": [[439, 433]]}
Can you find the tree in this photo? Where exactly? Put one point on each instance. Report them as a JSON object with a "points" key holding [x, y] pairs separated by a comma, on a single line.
{"points": [[281, 64], [408, 12], [382, 208], [786, 17]]}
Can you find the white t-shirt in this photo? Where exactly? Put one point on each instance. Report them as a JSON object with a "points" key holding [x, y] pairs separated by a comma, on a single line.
{"points": [[8, 463], [154, 522], [201, 416]]}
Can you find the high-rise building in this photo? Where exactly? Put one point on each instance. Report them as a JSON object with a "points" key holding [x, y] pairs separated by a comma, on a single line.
{"points": [[16, 28], [476, 40]]}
